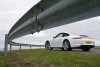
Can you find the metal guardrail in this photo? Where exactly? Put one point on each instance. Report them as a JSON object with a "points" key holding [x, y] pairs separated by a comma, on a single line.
{"points": [[52, 13], [20, 44]]}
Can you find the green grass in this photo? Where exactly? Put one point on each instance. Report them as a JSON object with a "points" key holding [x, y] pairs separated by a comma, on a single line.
{"points": [[46, 58]]}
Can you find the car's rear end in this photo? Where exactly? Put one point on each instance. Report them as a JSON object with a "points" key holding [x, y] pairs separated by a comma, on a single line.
{"points": [[82, 41]]}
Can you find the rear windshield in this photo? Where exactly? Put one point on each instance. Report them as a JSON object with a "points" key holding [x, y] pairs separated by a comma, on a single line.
{"points": [[83, 35]]}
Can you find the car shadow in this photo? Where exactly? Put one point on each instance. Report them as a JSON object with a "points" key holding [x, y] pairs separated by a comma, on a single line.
{"points": [[73, 50]]}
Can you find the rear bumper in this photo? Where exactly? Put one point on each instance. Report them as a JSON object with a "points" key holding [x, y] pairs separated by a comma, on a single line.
{"points": [[87, 46]]}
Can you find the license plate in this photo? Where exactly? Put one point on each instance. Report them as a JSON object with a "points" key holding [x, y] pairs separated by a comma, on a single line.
{"points": [[88, 42]]}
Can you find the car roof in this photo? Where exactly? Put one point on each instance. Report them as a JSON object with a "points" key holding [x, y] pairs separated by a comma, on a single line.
{"points": [[65, 33]]}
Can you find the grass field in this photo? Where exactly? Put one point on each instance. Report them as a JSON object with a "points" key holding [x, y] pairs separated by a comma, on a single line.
{"points": [[46, 58]]}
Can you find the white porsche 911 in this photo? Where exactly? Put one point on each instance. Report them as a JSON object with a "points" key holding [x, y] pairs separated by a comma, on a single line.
{"points": [[67, 41]]}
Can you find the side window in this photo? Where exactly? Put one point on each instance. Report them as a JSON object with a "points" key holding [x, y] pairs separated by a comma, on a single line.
{"points": [[62, 35], [59, 35], [65, 35]]}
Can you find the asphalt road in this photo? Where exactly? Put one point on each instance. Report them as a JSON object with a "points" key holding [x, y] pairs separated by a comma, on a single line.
{"points": [[92, 51]]}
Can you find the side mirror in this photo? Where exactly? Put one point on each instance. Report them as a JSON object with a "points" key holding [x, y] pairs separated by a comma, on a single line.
{"points": [[53, 37]]}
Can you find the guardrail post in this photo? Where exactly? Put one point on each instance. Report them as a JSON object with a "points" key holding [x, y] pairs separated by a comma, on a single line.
{"points": [[10, 47], [30, 47], [20, 47], [40, 47], [6, 45]]}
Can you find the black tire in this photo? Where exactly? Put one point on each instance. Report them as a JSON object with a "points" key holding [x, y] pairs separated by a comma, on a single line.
{"points": [[86, 49], [66, 46], [47, 46]]}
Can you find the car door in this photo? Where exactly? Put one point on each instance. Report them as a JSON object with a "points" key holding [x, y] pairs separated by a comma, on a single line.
{"points": [[56, 40]]}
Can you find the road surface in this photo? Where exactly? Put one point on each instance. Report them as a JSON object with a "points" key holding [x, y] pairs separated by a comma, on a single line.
{"points": [[92, 51]]}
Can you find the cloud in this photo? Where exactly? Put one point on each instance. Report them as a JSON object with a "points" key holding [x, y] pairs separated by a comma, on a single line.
{"points": [[10, 12], [88, 27], [40, 34]]}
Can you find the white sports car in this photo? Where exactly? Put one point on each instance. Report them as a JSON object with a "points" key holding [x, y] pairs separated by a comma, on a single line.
{"points": [[68, 41]]}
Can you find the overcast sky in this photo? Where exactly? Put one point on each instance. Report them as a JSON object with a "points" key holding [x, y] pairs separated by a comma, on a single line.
{"points": [[12, 10]]}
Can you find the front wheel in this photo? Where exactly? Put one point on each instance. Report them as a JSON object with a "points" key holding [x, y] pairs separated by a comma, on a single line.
{"points": [[66, 46], [47, 46]]}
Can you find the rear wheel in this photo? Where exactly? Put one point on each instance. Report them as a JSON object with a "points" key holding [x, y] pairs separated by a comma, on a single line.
{"points": [[86, 49], [47, 46], [66, 46]]}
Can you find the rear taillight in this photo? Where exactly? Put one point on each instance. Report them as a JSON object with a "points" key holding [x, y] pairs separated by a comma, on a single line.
{"points": [[77, 38]]}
